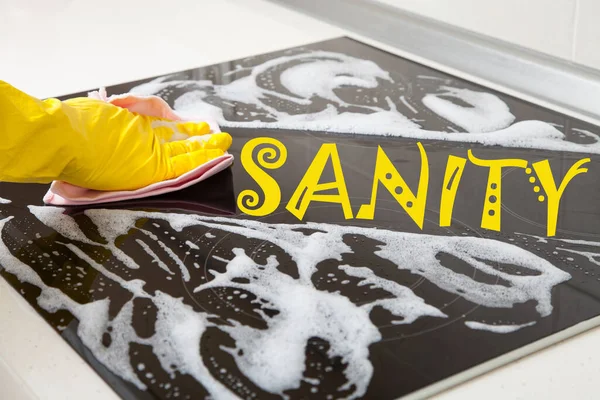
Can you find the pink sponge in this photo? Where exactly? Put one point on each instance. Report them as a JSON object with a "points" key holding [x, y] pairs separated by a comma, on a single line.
{"points": [[62, 193]]}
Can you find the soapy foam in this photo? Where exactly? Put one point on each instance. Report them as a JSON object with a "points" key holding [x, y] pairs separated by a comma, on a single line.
{"points": [[69, 229], [274, 358], [408, 105], [192, 245], [185, 273], [404, 304], [419, 256], [178, 328], [155, 258], [5, 201], [303, 310], [592, 256], [497, 328], [487, 112], [321, 74]]}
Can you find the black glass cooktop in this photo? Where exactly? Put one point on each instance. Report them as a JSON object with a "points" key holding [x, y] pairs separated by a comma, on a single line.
{"points": [[186, 296]]}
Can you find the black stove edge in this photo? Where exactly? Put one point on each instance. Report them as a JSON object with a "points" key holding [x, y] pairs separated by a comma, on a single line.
{"points": [[505, 360]]}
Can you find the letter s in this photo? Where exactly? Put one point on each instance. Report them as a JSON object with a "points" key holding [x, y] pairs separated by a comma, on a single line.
{"points": [[272, 157]]}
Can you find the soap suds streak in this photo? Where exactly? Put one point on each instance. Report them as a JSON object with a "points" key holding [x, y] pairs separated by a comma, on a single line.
{"points": [[404, 303], [185, 273], [329, 77], [408, 105], [484, 112], [178, 327], [155, 258], [592, 256], [71, 230], [497, 328], [192, 245], [274, 358]]}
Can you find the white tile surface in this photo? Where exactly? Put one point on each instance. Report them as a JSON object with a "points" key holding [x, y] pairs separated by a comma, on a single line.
{"points": [[586, 47], [35, 363], [51, 48], [542, 25], [11, 386]]}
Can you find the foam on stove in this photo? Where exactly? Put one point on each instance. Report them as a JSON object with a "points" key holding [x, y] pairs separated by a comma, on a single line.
{"points": [[497, 328], [325, 75], [405, 304], [592, 256], [485, 112], [274, 358], [155, 257], [178, 327]]}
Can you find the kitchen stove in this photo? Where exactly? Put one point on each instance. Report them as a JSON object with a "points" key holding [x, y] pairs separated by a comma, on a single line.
{"points": [[185, 296]]}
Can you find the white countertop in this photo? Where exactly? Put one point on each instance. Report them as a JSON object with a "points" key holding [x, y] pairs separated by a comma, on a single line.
{"points": [[51, 48]]}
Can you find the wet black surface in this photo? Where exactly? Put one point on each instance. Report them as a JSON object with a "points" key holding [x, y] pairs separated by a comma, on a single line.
{"points": [[409, 357]]}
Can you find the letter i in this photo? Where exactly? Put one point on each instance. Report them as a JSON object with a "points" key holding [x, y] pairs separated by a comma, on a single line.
{"points": [[454, 171]]}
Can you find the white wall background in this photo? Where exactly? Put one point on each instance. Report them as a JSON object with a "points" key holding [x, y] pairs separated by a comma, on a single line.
{"points": [[568, 29]]}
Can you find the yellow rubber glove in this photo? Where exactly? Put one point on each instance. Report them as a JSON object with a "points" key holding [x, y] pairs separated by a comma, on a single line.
{"points": [[96, 145]]}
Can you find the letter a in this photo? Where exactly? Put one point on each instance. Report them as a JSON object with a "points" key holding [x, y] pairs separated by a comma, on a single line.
{"points": [[305, 192]]}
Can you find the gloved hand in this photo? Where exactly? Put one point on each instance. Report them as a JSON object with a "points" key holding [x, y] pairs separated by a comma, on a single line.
{"points": [[96, 145]]}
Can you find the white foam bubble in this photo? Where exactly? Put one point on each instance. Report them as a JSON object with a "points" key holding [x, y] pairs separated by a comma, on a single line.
{"points": [[322, 78], [497, 328], [274, 358], [404, 304], [321, 74], [67, 227], [419, 256], [408, 105], [5, 201], [178, 327], [155, 258], [185, 273], [592, 256], [485, 112], [192, 245]]}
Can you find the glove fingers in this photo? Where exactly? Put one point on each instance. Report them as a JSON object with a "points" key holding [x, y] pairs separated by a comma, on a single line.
{"points": [[193, 128], [168, 131], [186, 162], [178, 147], [220, 140]]}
